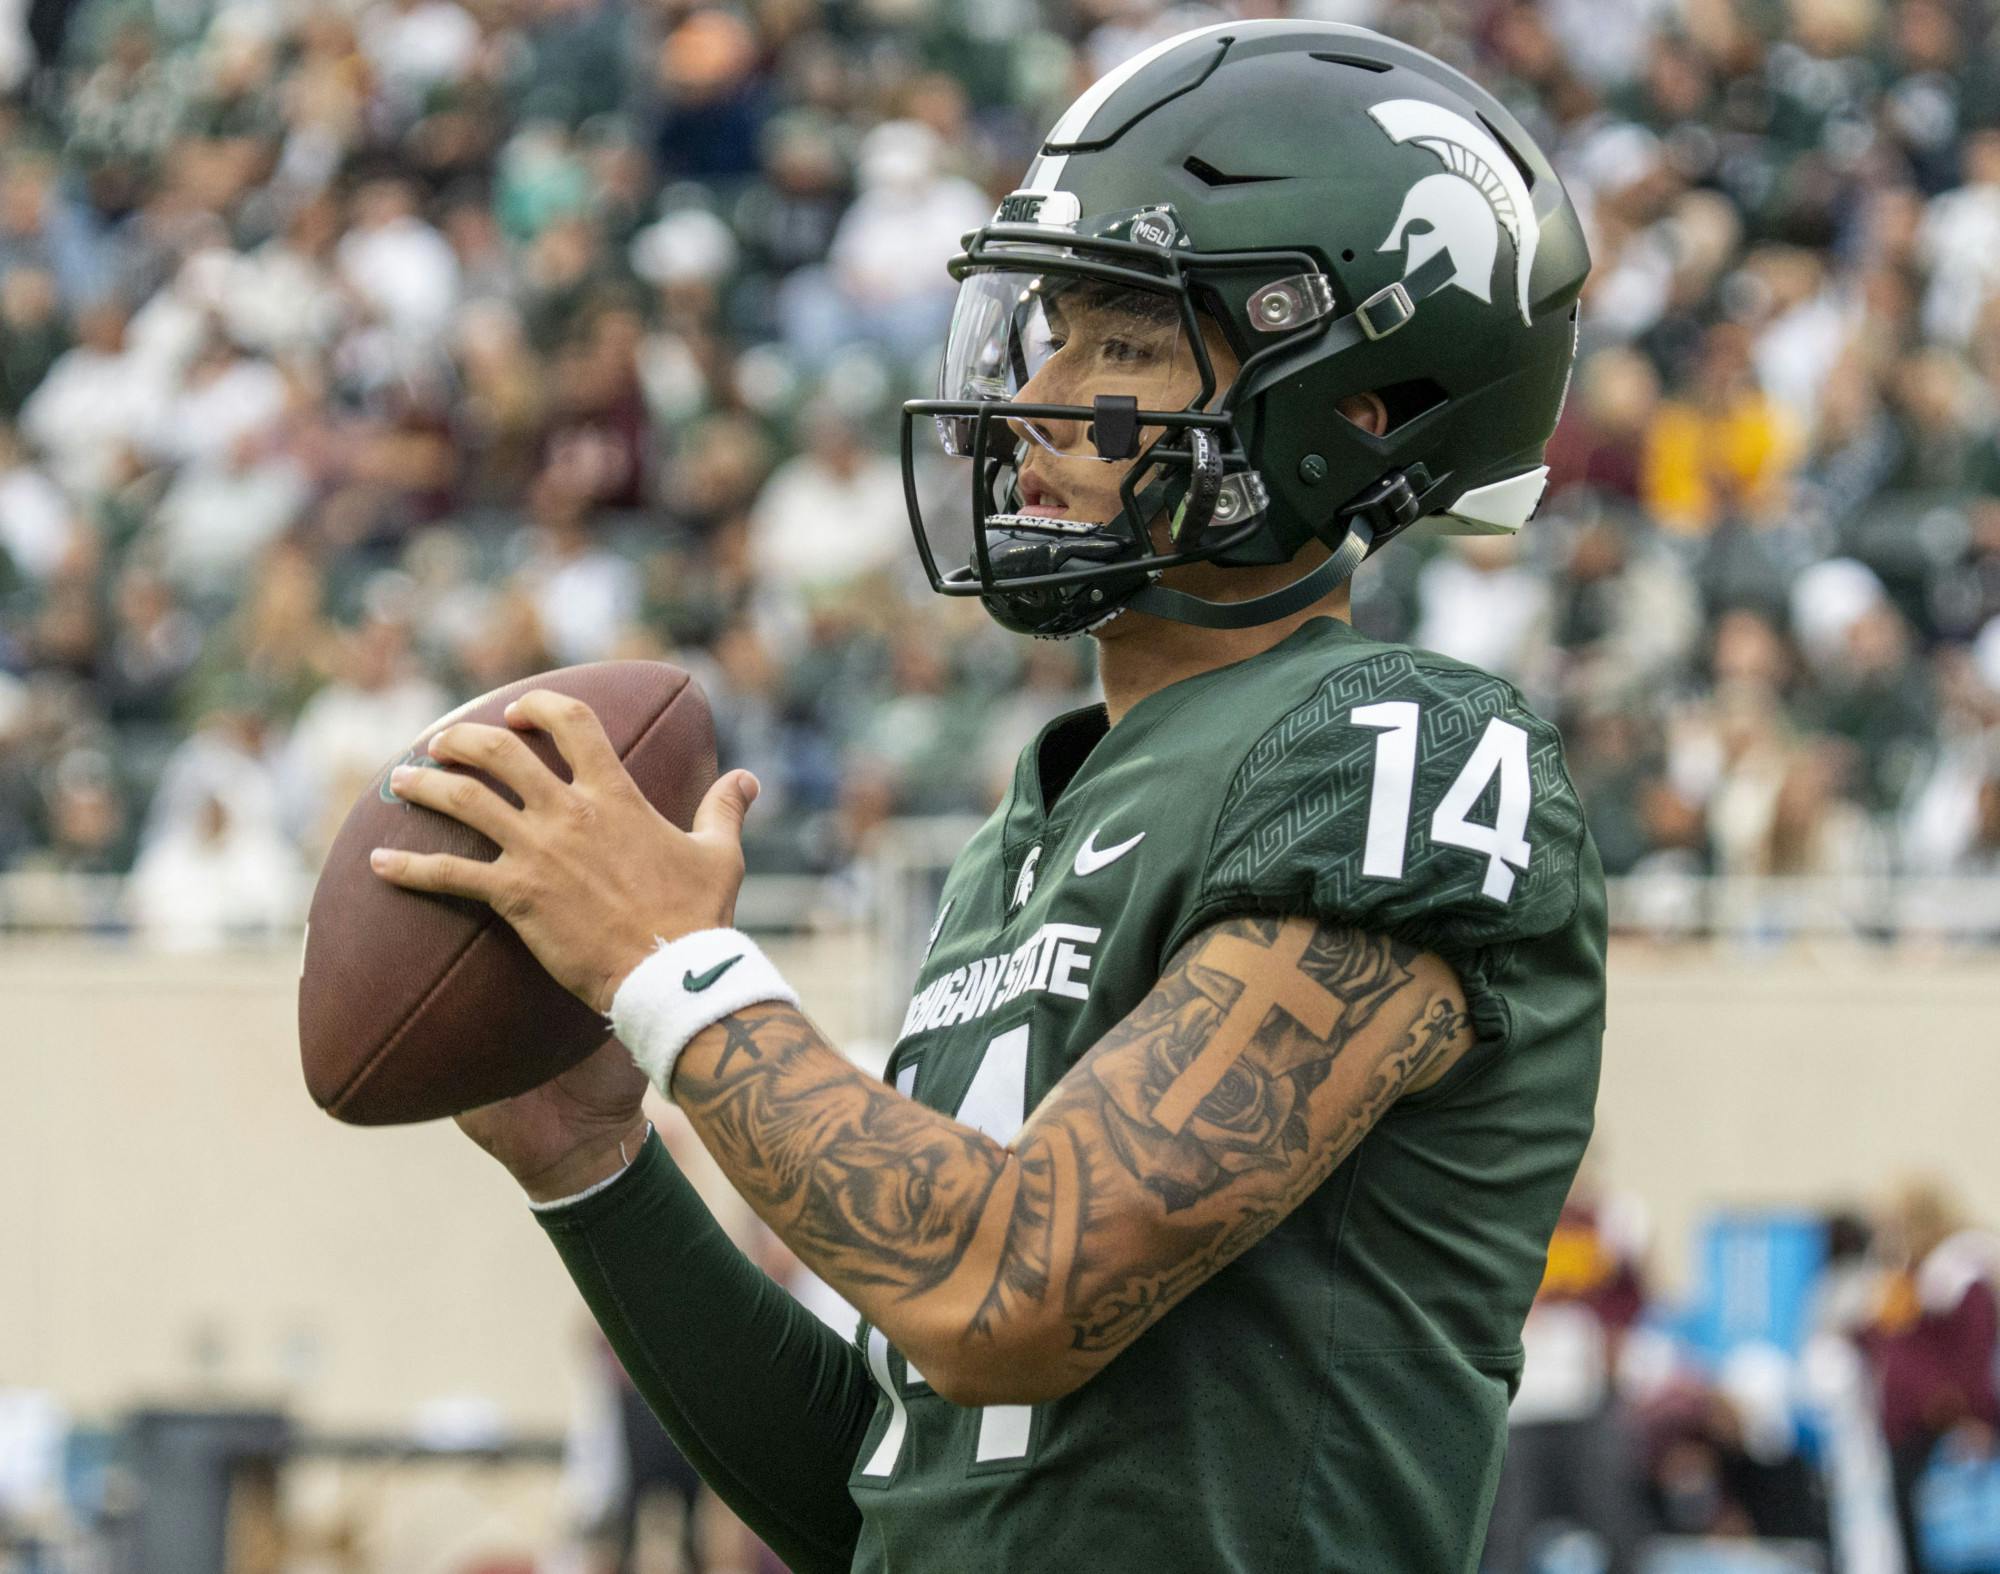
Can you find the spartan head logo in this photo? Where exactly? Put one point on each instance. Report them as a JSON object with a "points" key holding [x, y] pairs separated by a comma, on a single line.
{"points": [[1024, 886], [1464, 209]]}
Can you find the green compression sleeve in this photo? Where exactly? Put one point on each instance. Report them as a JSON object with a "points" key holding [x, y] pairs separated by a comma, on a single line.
{"points": [[765, 1400]]}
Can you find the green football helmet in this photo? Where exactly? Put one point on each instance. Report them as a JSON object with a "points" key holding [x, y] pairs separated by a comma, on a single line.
{"points": [[1350, 215]]}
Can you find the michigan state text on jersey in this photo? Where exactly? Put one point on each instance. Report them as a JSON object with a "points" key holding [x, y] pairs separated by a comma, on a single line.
{"points": [[1195, 1221]]}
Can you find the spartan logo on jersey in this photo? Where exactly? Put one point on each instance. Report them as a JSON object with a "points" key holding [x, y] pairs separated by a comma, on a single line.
{"points": [[1024, 887], [1464, 210], [930, 942]]}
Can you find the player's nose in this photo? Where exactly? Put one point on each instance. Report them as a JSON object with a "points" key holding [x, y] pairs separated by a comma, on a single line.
{"points": [[1053, 433]]}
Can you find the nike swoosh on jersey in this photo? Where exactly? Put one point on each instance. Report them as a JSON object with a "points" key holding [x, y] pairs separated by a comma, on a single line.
{"points": [[1090, 858]]}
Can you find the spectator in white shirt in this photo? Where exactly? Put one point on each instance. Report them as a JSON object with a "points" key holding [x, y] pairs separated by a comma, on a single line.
{"points": [[885, 281], [1479, 603], [215, 880], [585, 595], [397, 263], [226, 760], [831, 516], [284, 294], [1960, 241], [417, 45], [355, 725], [38, 528], [227, 400], [95, 406]]}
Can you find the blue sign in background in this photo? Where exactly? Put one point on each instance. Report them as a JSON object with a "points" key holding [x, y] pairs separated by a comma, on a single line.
{"points": [[1756, 1273]]}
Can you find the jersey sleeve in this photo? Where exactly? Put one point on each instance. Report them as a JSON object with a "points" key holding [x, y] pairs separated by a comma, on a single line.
{"points": [[762, 1398], [1410, 796]]}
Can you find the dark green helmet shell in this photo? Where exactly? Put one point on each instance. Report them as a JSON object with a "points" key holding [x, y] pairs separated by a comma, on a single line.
{"points": [[1417, 198]]}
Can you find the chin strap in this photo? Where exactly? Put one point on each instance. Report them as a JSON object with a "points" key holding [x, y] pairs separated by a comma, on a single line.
{"points": [[1385, 508], [1300, 593]]}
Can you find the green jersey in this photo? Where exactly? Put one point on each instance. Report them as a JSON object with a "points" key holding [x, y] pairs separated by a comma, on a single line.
{"points": [[1336, 1398]]}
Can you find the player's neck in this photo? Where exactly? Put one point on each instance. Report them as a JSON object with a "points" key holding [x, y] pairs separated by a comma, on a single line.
{"points": [[1146, 654]]}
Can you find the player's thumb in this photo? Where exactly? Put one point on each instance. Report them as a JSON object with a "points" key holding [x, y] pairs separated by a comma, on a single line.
{"points": [[724, 806]]}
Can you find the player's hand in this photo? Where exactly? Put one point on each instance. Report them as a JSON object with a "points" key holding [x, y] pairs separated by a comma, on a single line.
{"points": [[590, 874], [570, 1133]]}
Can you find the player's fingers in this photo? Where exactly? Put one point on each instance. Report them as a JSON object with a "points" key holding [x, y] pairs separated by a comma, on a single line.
{"points": [[440, 872], [579, 735], [500, 754], [724, 805], [465, 798]]}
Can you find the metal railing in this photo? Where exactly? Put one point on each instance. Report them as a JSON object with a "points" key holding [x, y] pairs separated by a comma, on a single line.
{"points": [[892, 895]]}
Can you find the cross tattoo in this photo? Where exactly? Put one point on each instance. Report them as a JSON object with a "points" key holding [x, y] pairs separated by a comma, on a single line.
{"points": [[736, 1035], [1314, 1008]]}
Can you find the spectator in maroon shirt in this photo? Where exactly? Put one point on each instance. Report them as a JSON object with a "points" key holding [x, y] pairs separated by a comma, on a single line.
{"points": [[1571, 1453], [1932, 1340], [1600, 442]]}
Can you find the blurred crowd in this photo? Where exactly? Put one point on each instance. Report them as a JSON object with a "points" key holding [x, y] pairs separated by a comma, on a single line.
{"points": [[356, 358], [1825, 1397]]}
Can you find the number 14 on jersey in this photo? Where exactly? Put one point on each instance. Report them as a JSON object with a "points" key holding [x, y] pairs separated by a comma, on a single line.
{"points": [[1502, 751]]}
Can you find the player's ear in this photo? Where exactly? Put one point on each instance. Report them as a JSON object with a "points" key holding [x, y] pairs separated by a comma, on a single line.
{"points": [[1369, 411]]}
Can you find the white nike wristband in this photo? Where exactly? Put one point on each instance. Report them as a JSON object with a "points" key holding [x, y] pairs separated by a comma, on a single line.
{"points": [[684, 986]]}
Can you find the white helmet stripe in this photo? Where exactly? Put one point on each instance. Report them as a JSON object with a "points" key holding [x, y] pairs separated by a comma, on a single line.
{"points": [[1046, 172]]}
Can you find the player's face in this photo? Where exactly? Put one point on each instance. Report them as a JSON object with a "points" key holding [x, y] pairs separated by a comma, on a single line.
{"points": [[1089, 340]]}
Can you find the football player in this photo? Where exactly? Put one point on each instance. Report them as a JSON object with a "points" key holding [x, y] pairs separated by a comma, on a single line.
{"points": [[1195, 1220]]}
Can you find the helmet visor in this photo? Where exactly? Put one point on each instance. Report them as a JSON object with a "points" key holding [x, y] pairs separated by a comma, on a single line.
{"points": [[1057, 338]]}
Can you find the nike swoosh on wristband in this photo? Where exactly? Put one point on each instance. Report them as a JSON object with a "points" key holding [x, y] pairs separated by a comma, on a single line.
{"points": [[695, 983], [1090, 858]]}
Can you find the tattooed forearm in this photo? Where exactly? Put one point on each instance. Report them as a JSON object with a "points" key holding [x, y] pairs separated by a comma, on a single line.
{"points": [[862, 1182], [1262, 1057]]}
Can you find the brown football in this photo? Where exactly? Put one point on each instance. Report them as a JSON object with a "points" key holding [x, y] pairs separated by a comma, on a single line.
{"points": [[414, 1006]]}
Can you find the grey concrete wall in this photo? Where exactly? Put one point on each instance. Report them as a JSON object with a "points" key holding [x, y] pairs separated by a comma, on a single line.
{"points": [[176, 1217]]}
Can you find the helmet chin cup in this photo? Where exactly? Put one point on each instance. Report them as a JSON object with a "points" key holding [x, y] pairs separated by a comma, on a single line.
{"points": [[1057, 577], [1029, 559]]}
